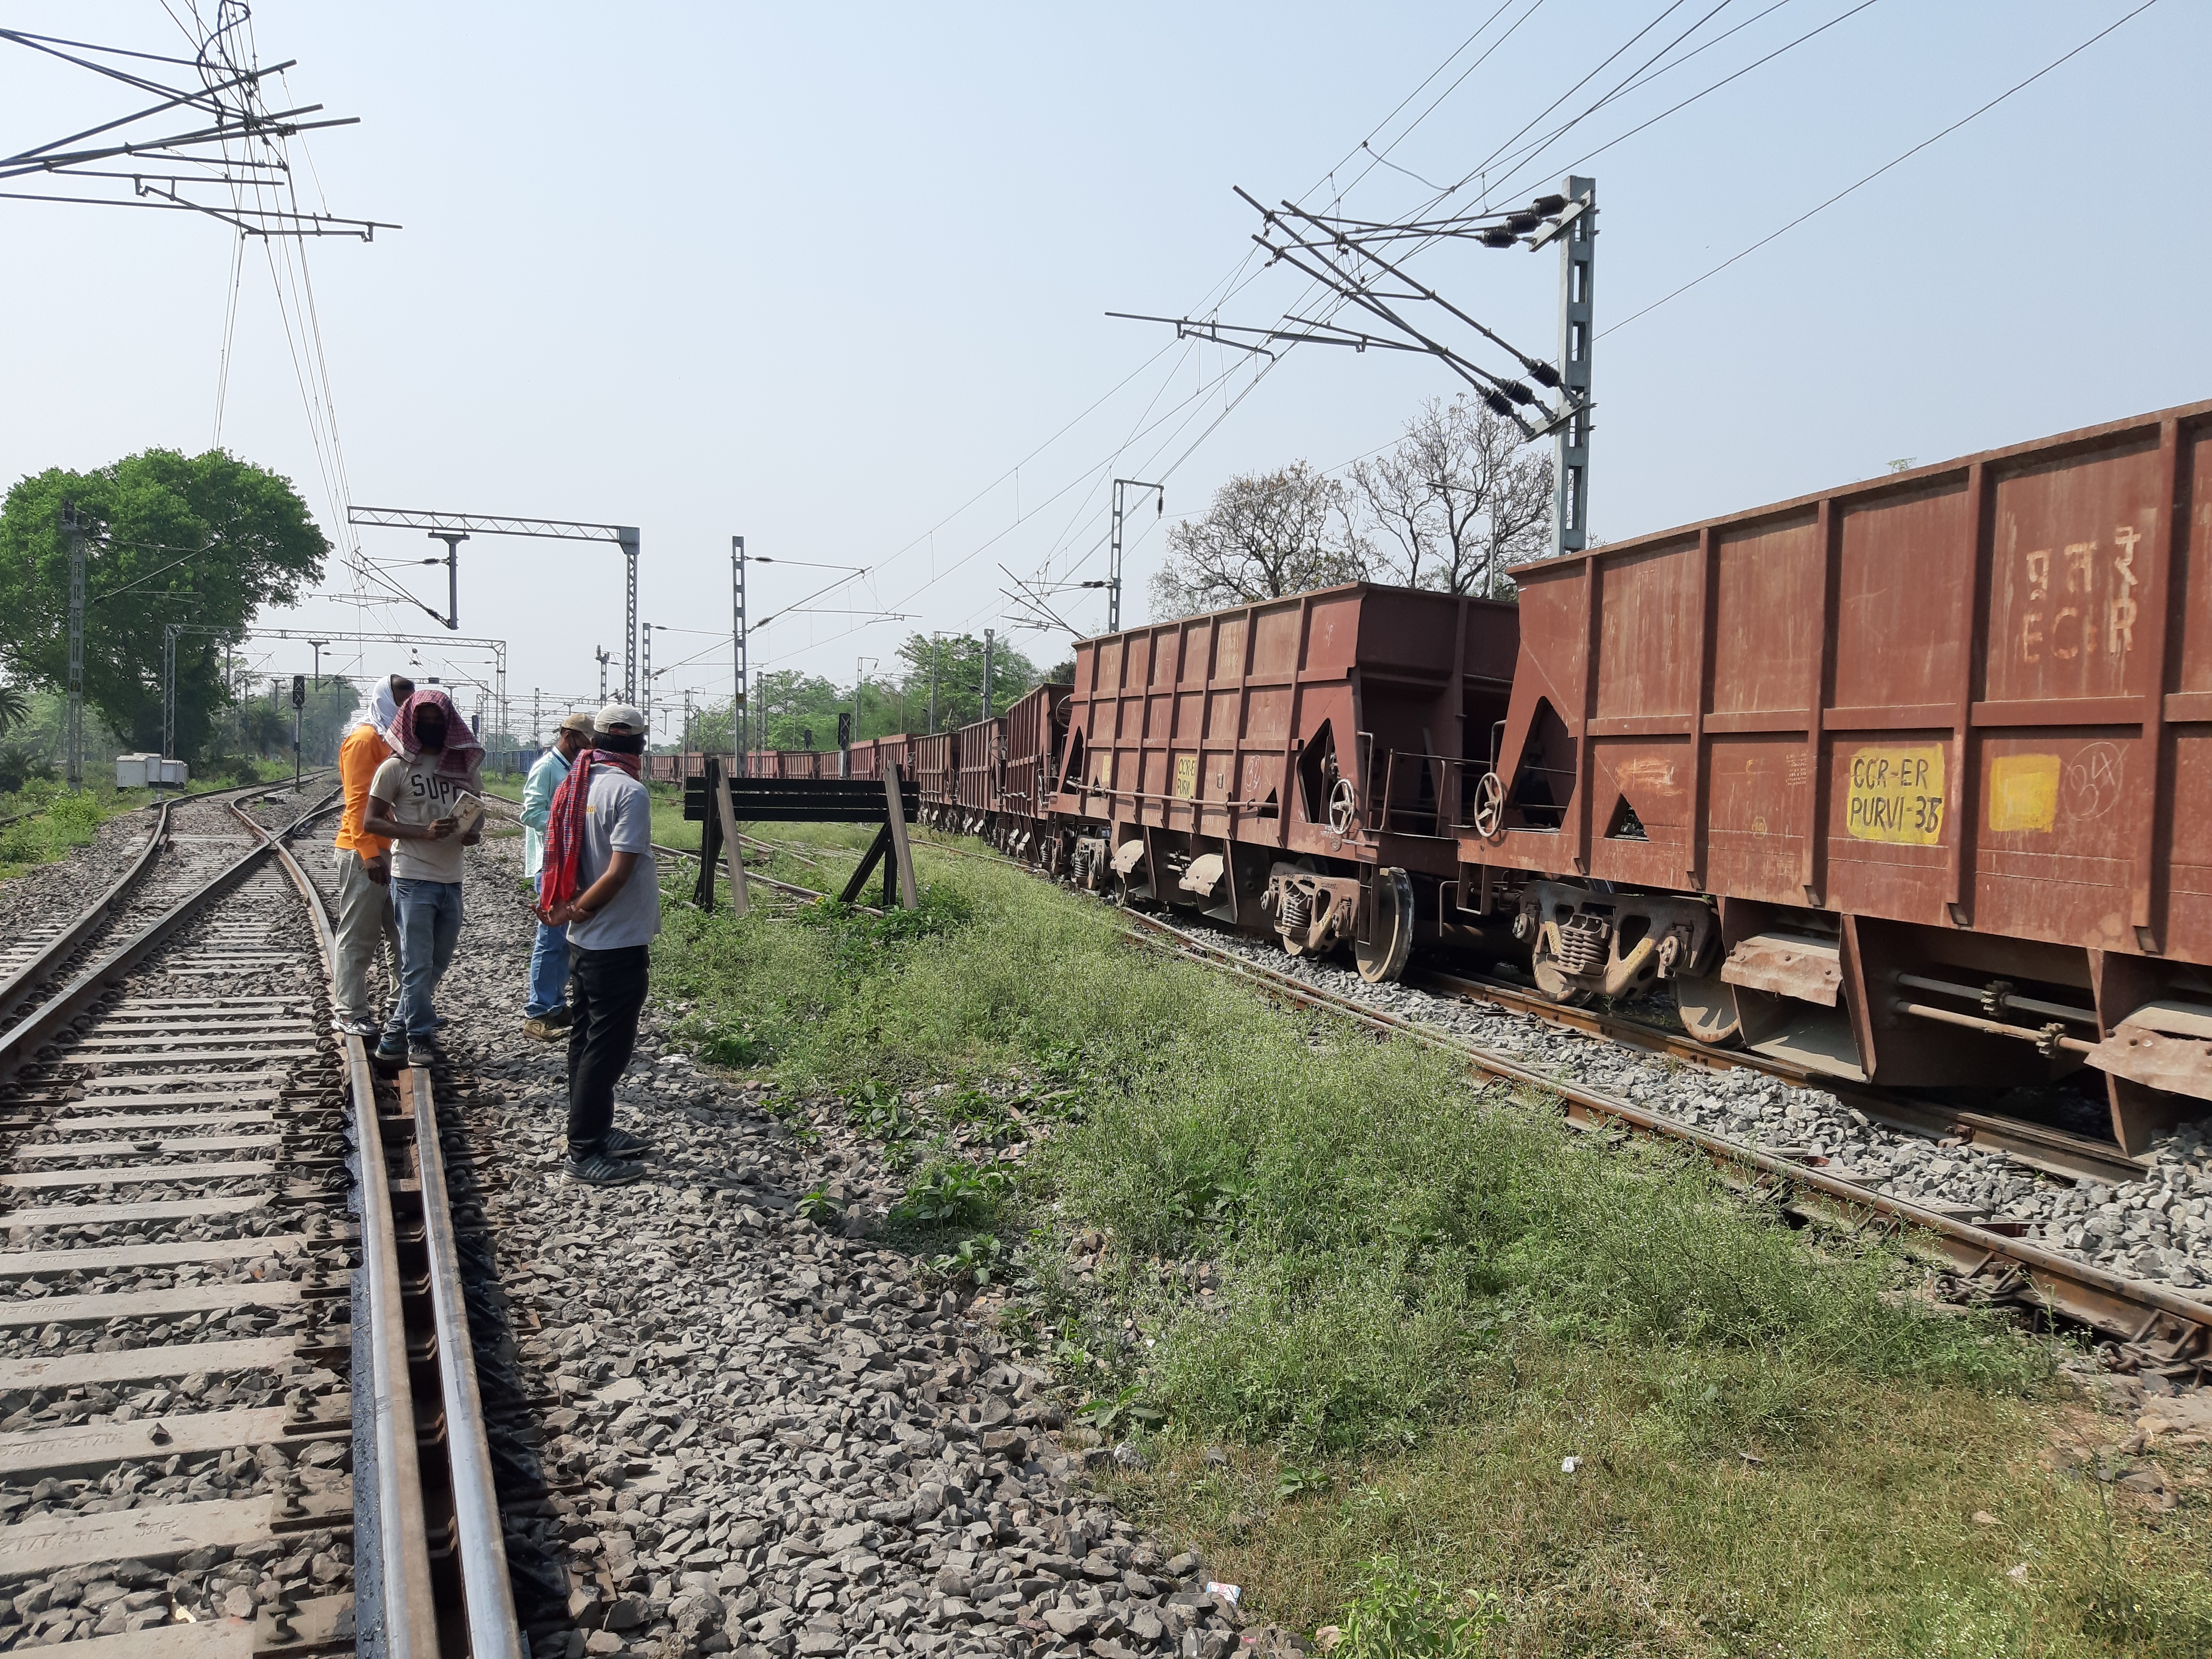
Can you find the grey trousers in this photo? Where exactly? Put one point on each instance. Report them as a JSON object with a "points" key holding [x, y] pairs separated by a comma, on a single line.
{"points": [[364, 920]]}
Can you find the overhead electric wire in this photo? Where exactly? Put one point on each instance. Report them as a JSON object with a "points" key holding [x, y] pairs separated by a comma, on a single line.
{"points": [[1760, 63], [1228, 284], [1886, 167]]}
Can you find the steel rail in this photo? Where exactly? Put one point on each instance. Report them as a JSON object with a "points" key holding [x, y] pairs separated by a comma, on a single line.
{"points": [[313, 774], [46, 1022], [409, 1600], [480, 1544], [63, 946], [2125, 1308], [2035, 1144], [59, 949]]}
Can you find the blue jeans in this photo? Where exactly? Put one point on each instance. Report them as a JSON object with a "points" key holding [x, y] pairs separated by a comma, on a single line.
{"points": [[430, 916], [548, 969]]}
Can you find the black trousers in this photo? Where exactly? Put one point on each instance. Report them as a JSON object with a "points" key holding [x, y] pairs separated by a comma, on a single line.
{"points": [[607, 994]]}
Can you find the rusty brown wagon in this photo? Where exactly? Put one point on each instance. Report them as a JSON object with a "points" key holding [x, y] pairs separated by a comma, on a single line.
{"points": [[1296, 766], [1908, 780]]}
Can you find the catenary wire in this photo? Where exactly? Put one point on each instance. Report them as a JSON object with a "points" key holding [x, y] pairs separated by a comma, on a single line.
{"points": [[1886, 167]]}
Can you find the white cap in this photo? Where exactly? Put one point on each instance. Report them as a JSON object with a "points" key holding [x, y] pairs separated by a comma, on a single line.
{"points": [[620, 715]]}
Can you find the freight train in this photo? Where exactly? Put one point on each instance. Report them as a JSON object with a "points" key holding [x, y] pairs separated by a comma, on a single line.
{"points": [[1909, 781]]}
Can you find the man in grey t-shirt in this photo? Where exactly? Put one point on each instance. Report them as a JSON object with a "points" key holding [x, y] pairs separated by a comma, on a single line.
{"points": [[611, 922]]}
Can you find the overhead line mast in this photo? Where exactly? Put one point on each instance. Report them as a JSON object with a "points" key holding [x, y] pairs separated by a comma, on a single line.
{"points": [[1344, 255]]}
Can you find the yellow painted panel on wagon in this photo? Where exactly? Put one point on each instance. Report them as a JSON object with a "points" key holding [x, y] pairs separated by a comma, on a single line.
{"points": [[2023, 791], [1186, 776], [1896, 794]]}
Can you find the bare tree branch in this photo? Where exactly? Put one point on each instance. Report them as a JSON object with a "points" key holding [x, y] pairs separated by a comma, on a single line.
{"points": [[1459, 498], [1264, 536]]}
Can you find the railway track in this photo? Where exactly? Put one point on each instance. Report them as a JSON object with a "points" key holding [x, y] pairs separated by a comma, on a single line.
{"points": [[2038, 1145], [2053, 1150], [237, 1404], [185, 845], [2155, 1328]]}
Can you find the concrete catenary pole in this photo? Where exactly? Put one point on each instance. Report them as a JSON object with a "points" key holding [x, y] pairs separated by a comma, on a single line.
{"points": [[739, 714]]}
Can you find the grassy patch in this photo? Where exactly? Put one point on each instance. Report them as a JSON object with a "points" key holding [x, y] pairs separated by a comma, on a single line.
{"points": [[50, 822], [1392, 1305]]}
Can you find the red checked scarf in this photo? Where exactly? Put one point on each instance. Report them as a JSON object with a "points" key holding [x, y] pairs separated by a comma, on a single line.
{"points": [[565, 825], [463, 757]]}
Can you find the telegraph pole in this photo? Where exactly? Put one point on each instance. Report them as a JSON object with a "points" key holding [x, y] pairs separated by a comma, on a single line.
{"points": [[934, 640], [602, 656], [740, 716], [1577, 239], [1114, 562], [987, 673], [645, 686], [74, 522]]}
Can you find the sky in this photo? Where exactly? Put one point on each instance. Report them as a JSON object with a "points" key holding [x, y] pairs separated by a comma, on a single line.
{"points": [[836, 279]]}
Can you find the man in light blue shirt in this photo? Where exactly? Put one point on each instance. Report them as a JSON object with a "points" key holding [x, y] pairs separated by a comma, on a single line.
{"points": [[545, 1015]]}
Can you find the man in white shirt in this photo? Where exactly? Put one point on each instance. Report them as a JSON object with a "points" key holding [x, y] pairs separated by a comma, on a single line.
{"points": [[545, 1014], [414, 802]]}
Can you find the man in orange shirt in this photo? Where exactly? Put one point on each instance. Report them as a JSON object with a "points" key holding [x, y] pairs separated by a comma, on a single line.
{"points": [[364, 917]]}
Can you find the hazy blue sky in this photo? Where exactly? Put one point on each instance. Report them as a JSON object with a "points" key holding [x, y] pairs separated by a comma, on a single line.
{"points": [[829, 276]]}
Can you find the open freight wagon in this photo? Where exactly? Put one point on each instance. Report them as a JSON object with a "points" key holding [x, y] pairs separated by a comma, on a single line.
{"points": [[1909, 781], [1296, 766]]}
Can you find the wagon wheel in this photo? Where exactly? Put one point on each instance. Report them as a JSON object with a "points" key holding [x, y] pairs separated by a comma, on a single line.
{"points": [[1489, 806], [1343, 807], [1383, 960]]}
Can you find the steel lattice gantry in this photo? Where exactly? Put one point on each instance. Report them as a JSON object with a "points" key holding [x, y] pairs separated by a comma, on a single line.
{"points": [[452, 528]]}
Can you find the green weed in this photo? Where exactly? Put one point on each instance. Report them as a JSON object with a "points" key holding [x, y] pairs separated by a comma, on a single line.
{"points": [[1398, 1614], [1424, 1298], [952, 1195], [978, 1260], [1120, 1412]]}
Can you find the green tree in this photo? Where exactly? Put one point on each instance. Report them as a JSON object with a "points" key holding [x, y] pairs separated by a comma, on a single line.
{"points": [[205, 540], [15, 709], [800, 710], [957, 663]]}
